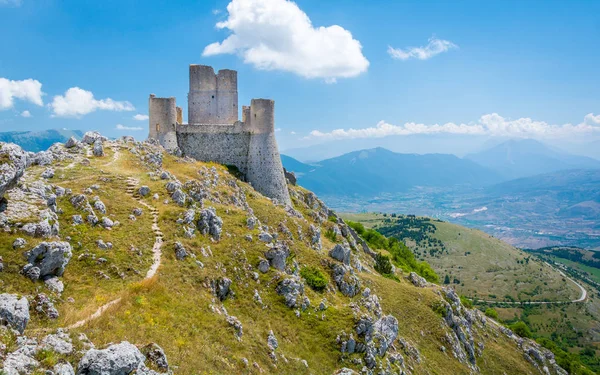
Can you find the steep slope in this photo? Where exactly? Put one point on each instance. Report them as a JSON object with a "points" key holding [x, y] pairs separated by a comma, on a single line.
{"points": [[527, 157], [477, 264], [40, 140], [158, 249], [375, 171]]}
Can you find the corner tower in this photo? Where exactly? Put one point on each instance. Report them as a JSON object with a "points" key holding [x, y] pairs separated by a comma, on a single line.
{"points": [[213, 98], [265, 171], [162, 113]]}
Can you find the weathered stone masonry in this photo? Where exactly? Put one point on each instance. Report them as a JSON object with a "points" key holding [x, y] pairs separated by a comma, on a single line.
{"points": [[214, 132]]}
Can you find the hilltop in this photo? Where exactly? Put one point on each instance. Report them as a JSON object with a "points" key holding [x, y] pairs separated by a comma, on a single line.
{"points": [[166, 264]]}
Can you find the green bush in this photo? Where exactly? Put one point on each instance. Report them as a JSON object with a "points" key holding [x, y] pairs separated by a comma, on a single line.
{"points": [[383, 264], [400, 254], [466, 302], [314, 278], [439, 308], [521, 329], [330, 235], [491, 313]]}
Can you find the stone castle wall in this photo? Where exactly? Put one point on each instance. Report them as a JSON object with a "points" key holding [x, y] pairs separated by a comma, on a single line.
{"points": [[213, 132]]}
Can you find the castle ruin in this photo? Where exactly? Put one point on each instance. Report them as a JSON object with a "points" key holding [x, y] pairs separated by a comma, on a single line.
{"points": [[214, 132]]}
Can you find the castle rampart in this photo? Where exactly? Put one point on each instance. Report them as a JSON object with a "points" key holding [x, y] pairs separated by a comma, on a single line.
{"points": [[214, 133]]}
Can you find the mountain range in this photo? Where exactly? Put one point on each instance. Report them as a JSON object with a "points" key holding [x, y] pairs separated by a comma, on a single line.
{"points": [[40, 140], [523, 158]]}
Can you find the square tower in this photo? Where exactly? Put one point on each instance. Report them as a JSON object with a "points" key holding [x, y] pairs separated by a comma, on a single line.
{"points": [[213, 98]]}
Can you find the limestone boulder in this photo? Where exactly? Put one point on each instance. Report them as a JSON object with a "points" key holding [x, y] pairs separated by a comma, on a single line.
{"points": [[91, 137], [209, 223], [290, 288], [341, 253], [117, 359], [277, 255], [13, 161], [14, 312], [50, 257]]}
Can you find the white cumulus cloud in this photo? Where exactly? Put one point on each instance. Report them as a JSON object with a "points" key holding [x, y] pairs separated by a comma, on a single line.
{"points": [[278, 35], [140, 117], [77, 102], [25, 114], [491, 125], [434, 47], [29, 90], [131, 128]]}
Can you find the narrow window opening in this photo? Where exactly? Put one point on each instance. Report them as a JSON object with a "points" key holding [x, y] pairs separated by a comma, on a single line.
{"points": [[157, 128]]}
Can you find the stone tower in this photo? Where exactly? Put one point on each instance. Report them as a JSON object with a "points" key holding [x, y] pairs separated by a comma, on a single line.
{"points": [[214, 132], [163, 121]]}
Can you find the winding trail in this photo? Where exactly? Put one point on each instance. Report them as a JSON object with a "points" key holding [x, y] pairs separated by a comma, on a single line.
{"points": [[156, 250], [582, 298]]}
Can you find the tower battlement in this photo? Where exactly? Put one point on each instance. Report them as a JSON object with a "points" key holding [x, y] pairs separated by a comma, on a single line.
{"points": [[214, 132]]}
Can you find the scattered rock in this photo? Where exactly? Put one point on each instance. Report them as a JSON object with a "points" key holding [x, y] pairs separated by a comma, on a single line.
{"points": [[48, 173], [210, 223], [138, 211], [14, 312], [156, 355], [347, 282], [340, 253], [265, 237], [71, 142], [44, 305], [222, 288], [290, 288], [277, 255], [91, 137], [12, 167], [117, 359], [107, 223], [417, 280], [144, 191], [180, 252], [272, 342], [19, 243], [98, 148], [55, 285], [50, 257], [99, 205], [237, 325], [263, 265]]}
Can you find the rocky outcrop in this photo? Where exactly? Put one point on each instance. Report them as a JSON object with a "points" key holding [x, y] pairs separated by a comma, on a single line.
{"points": [[14, 311], [13, 161], [222, 288], [417, 280], [290, 288], [49, 258], [277, 255], [210, 223], [91, 137], [117, 359], [340, 253], [346, 280]]}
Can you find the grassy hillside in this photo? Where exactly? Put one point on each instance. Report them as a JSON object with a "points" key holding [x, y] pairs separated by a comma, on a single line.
{"points": [[179, 307], [478, 265]]}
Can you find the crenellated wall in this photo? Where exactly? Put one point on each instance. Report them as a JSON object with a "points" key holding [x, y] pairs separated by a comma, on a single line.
{"points": [[213, 132]]}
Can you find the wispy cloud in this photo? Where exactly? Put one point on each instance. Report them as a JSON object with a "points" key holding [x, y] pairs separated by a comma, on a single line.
{"points": [[77, 102], [434, 47], [25, 114], [140, 117], [29, 90], [278, 35], [130, 128], [491, 124]]}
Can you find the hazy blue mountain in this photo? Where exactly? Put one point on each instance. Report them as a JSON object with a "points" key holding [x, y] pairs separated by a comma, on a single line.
{"points": [[293, 165], [40, 140], [375, 171], [527, 157]]}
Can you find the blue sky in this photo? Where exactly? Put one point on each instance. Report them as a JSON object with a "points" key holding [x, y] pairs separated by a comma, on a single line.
{"points": [[533, 64]]}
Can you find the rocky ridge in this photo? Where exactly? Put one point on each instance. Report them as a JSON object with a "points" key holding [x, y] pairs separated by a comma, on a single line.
{"points": [[220, 233]]}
